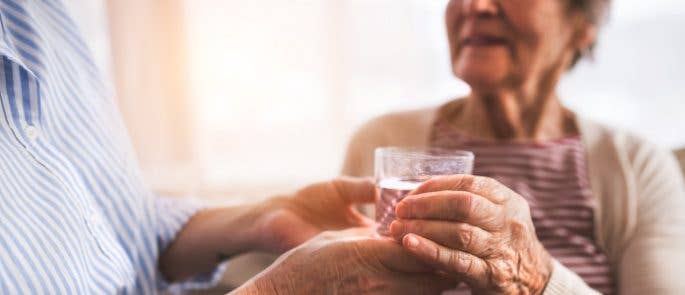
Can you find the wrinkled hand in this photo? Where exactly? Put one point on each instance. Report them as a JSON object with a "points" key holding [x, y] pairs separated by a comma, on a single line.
{"points": [[477, 230], [287, 222], [347, 262]]}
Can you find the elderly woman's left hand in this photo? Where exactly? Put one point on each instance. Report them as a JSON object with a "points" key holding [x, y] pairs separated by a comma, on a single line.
{"points": [[477, 230]]}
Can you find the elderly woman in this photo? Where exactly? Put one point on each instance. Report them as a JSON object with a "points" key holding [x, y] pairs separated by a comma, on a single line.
{"points": [[561, 204]]}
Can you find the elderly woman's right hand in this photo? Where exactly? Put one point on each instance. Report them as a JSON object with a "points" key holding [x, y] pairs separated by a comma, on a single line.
{"points": [[476, 229], [347, 262]]}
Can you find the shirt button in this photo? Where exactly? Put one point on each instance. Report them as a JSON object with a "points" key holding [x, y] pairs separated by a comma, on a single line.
{"points": [[32, 132]]}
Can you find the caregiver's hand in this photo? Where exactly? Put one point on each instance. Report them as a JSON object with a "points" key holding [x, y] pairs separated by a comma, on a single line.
{"points": [[276, 225], [347, 262], [288, 221], [477, 230]]}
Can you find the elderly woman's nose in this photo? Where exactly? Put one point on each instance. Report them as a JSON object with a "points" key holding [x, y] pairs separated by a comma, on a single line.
{"points": [[480, 7]]}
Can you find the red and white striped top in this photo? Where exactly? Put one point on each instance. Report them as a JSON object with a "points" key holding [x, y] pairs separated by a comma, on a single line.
{"points": [[552, 177]]}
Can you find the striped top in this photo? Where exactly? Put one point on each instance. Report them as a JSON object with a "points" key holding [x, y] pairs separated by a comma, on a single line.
{"points": [[75, 216], [552, 177]]}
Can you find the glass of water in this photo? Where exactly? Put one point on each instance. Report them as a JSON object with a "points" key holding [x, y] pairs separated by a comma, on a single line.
{"points": [[401, 170]]}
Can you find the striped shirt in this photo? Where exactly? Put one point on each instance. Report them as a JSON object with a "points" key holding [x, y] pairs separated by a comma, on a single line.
{"points": [[75, 216], [552, 177]]}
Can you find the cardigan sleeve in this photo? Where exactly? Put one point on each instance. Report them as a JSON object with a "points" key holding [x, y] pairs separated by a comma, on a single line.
{"points": [[651, 260], [400, 129], [360, 150], [564, 282]]}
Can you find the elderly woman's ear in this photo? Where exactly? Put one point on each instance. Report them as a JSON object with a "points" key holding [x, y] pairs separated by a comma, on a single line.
{"points": [[585, 38]]}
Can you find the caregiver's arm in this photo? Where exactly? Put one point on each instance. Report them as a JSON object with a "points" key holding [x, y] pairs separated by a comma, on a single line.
{"points": [[276, 225]]}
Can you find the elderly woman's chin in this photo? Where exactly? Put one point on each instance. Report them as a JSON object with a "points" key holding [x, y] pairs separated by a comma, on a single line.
{"points": [[482, 76]]}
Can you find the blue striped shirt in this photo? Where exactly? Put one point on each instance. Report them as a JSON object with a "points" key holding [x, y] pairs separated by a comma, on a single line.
{"points": [[75, 216]]}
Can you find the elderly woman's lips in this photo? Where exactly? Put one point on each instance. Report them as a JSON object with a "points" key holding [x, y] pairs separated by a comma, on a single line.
{"points": [[484, 41]]}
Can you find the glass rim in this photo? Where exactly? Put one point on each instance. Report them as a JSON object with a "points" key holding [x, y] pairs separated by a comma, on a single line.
{"points": [[424, 153]]}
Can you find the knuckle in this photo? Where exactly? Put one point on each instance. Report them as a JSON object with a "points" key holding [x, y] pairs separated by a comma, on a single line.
{"points": [[518, 199], [452, 205], [460, 264], [464, 181], [465, 237], [490, 181], [480, 182], [518, 228], [453, 261], [438, 256], [469, 266], [499, 192], [502, 274], [523, 203], [469, 205]]}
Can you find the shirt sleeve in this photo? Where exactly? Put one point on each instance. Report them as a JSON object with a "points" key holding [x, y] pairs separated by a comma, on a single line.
{"points": [[172, 214]]}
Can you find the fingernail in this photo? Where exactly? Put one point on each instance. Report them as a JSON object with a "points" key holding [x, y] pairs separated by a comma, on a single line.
{"points": [[411, 241]]}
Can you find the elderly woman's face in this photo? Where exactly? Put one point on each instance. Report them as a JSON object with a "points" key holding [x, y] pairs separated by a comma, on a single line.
{"points": [[507, 43]]}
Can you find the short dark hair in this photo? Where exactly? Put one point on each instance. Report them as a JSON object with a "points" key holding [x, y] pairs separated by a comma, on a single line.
{"points": [[595, 12]]}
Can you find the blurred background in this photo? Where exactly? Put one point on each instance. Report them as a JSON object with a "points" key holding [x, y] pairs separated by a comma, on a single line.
{"points": [[250, 98], [234, 100]]}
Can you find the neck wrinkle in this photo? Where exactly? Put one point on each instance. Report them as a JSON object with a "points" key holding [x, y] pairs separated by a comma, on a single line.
{"points": [[511, 117]]}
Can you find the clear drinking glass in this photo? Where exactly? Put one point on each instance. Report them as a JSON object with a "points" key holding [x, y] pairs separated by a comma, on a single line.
{"points": [[401, 170]]}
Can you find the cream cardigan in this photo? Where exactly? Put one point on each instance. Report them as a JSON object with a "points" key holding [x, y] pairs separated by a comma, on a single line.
{"points": [[640, 213]]}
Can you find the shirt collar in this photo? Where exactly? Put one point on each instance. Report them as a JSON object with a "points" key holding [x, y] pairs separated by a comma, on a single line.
{"points": [[32, 113], [7, 48]]}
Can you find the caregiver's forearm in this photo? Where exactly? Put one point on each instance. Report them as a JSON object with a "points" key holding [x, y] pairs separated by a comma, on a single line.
{"points": [[211, 236]]}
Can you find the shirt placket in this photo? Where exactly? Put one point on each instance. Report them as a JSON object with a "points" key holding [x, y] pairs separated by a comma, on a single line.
{"points": [[22, 113]]}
